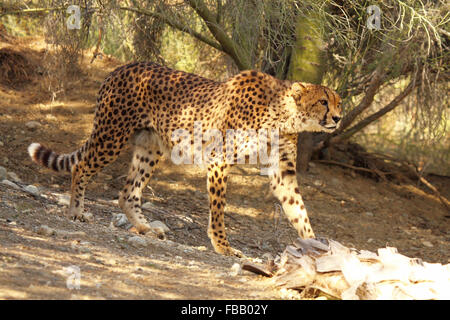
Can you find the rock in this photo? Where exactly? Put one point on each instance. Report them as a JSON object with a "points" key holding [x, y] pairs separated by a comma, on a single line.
{"points": [[137, 241], [10, 184], [12, 176], [120, 220], [235, 269], [318, 183], [1, 144], [3, 173], [147, 205], [427, 244], [32, 189], [33, 125], [63, 199], [45, 230], [159, 225], [369, 214]]}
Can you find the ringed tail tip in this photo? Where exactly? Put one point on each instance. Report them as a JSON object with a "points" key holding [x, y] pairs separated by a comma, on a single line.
{"points": [[33, 151]]}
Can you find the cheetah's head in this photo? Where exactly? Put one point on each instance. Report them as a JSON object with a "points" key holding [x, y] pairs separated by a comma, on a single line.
{"points": [[318, 108]]}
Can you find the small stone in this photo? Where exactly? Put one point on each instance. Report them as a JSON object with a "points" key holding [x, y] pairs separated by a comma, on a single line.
{"points": [[1, 144], [158, 224], [120, 220], [235, 269], [63, 199], [427, 244], [33, 125], [10, 184], [45, 230], [3, 173], [311, 164], [147, 205], [369, 214], [318, 183], [137, 241], [32, 189], [12, 176]]}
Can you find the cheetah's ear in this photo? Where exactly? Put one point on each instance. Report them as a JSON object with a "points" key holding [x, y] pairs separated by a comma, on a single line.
{"points": [[298, 89]]}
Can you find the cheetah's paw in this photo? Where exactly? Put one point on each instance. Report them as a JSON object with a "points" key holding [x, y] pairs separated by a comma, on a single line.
{"points": [[82, 216]]}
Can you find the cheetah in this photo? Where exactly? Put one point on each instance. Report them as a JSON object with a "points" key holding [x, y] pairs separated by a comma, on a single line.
{"points": [[143, 104]]}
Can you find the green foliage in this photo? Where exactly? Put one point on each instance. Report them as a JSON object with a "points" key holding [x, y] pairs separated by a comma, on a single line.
{"points": [[18, 26]]}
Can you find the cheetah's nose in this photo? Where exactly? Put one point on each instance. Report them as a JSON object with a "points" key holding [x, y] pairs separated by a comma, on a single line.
{"points": [[336, 119]]}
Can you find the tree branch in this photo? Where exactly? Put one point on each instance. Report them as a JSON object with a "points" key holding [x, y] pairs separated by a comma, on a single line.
{"points": [[30, 11], [374, 85], [175, 25], [389, 107], [228, 45]]}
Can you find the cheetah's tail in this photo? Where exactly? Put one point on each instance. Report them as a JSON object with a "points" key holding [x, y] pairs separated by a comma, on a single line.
{"points": [[50, 159]]}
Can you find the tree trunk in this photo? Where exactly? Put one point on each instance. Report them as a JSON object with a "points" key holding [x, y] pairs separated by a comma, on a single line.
{"points": [[307, 65], [305, 146]]}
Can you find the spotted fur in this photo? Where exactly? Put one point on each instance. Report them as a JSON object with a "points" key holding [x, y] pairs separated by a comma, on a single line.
{"points": [[142, 104]]}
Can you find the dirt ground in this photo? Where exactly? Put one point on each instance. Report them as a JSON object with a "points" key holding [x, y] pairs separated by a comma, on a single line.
{"points": [[35, 264]]}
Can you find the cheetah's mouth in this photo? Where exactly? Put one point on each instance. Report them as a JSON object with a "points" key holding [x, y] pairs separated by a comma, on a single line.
{"points": [[331, 126]]}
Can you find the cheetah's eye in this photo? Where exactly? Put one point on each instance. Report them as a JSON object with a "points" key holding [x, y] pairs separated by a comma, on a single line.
{"points": [[324, 102]]}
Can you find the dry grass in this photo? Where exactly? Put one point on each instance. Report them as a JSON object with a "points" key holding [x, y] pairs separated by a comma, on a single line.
{"points": [[15, 68]]}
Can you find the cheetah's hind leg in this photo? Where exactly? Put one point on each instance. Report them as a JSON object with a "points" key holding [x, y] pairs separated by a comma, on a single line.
{"points": [[146, 155]]}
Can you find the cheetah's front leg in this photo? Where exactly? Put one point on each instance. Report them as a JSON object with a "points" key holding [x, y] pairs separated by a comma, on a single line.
{"points": [[283, 183], [217, 188]]}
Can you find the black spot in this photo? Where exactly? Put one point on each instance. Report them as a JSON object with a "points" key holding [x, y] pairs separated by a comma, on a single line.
{"points": [[287, 172]]}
